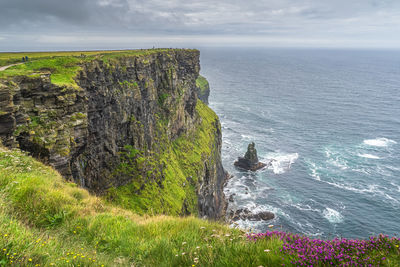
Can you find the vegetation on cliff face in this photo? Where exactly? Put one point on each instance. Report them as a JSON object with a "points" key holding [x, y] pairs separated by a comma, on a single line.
{"points": [[124, 123], [203, 89], [183, 159], [202, 83]]}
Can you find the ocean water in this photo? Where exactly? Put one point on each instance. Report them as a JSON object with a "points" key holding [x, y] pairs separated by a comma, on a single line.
{"points": [[329, 120]]}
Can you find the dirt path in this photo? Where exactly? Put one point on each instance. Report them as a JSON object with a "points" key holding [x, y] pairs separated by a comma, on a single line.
{"points": [[6, 67]]}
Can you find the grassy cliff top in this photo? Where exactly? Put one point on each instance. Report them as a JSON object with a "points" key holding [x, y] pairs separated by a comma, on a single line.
{"points": [[64, 66]]}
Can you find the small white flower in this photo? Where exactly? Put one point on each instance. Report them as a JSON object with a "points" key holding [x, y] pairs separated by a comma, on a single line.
{"points": [[267, 250]]}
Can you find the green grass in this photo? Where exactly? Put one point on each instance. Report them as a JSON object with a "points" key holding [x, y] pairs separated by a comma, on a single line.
{"points": [[63, 66], [202, 83], [182, 158], [62, 69], [45, 221]]}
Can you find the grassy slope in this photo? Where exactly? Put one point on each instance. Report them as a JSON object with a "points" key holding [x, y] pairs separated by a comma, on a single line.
{"points": [[63, 66], [44, 220]]}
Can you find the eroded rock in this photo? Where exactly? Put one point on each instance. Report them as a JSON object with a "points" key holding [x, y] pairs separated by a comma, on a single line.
{"points": [[250, 159], [246, 214]]}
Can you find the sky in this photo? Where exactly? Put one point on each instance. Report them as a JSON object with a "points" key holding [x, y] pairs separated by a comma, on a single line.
{"points": [[37, 25]]}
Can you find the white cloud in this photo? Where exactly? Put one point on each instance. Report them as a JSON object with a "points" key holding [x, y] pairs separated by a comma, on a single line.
{"points": [[276, 22]]}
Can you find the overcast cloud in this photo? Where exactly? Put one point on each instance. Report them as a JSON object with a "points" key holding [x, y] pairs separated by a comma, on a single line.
{"points": [[103, 24]]}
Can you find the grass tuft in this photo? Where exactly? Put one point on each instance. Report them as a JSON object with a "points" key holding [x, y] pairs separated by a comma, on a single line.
{"points": [[46, 221]]}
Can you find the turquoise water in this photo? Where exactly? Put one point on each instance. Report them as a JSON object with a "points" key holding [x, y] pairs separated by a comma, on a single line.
{"points": [[331, 122]]}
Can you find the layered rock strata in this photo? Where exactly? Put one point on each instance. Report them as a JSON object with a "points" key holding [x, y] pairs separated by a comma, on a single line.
{"points": [[130, 125]]}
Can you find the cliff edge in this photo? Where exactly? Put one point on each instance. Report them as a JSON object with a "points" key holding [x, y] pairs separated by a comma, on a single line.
{"points": [[126, 125]]}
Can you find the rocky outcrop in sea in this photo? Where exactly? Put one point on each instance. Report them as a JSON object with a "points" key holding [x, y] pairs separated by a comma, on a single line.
{"points": [[250, 160]]}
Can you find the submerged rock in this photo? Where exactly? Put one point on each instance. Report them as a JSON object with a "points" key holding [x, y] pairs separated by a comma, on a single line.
{"points": [[250, 159]]}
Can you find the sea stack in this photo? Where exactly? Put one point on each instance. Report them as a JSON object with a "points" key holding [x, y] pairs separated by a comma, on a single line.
{"points": [[250, 160]]}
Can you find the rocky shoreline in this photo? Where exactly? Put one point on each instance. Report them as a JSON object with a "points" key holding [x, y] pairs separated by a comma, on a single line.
{"points": [[249, 162]]}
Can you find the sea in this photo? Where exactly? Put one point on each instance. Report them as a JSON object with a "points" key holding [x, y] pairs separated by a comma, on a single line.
{"points": [[327, 120]]}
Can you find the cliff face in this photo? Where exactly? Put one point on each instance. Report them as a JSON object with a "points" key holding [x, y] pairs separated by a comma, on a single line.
{"points": [[131, 130], [202, 89]]}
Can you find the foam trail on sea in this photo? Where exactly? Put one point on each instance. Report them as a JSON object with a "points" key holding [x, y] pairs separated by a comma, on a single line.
{"points": [[370, 189], [247, 137], [336, 158], [281, 163], [303, 207], [368, 156], [379, 142], [333, 216]]}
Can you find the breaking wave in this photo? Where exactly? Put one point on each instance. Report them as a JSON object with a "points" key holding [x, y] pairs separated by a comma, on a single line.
{"points": [[281, 163], [379, 142], [333, 216], [368, 156]]}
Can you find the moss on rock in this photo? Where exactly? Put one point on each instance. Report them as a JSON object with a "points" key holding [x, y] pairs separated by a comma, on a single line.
{"points": [[182, 162]]}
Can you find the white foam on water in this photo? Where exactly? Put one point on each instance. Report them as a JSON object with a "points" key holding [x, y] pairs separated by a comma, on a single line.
{"points": [[314, 171], [396, 185], [372, 188], [304, 207], [328, 152], [333, 216], [248, 226], [338, 162], [368, 156], [282, 162], [379, 142], [335, 159], [247, 137]]}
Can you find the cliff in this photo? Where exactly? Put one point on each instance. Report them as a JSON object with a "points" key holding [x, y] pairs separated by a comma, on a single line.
{"points": [[126, 125], [202, 89]]}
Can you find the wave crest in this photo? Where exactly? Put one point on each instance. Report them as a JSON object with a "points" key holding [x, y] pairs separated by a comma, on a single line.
{"points": [[368, 156], [379, 142], [281, 163], [333, 216]]}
